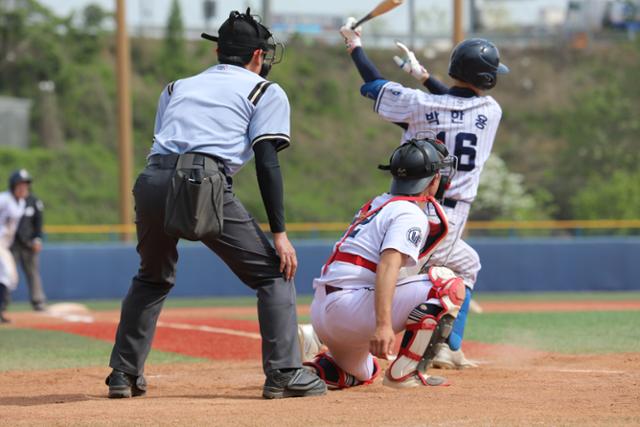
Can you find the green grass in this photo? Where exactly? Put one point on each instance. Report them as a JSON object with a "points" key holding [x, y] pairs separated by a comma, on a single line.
{"points": [[25, 349], [101, 305], [566, 332], [557, 296], [560, 332]]}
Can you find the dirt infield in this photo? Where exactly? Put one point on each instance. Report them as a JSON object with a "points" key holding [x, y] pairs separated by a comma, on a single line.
{"points": [[513, 386]]}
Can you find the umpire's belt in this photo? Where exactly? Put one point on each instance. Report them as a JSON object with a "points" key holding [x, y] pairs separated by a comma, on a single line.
{"points": [[187, 160]]}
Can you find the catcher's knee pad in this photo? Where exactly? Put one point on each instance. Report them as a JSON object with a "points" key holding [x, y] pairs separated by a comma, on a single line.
{"points": [[448, 288], [335, 377]]}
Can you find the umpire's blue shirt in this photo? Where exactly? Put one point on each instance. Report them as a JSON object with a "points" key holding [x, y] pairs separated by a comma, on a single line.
{"points": [[222, 111]]}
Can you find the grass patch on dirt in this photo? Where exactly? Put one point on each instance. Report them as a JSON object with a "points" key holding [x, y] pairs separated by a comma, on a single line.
{"points": [[27, 349], [566, 332]]}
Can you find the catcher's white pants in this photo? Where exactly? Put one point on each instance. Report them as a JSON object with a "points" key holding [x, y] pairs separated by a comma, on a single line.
{"points": [[345, 320], [453, 252]]}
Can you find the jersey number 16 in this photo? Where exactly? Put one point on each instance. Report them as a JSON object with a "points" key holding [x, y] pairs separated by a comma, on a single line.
{"points": [[465, 149]]}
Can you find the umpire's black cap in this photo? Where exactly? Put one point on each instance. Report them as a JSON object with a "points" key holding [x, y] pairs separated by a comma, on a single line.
{"points": [[241, 34]]}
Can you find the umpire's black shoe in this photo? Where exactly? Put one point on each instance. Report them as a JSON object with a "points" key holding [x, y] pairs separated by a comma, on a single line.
{"points": [[125, 385], [298, 382], [4, 319]]}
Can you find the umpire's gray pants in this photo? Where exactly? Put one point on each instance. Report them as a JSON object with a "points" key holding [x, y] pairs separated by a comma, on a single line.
{"points": [[29, 261], [242, 246]]}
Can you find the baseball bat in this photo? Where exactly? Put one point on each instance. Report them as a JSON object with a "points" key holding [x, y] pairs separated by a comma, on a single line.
{"points": [[383, 7]]}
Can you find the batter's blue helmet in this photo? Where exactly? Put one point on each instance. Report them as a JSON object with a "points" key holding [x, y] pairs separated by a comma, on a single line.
{"points": [[476, 61]]}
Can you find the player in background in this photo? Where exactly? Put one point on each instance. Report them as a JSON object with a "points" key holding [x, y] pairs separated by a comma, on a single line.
{"points": [[462, 117], [12, 204], [27, 246], [359, 304]]}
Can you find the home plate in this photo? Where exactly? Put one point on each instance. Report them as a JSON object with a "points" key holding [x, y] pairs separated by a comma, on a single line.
{"points": [[71, 312]]}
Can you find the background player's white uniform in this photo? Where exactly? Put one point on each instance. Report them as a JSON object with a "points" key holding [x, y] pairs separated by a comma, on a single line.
{"points": [[11, 210], [345, 320], [467, 125]]}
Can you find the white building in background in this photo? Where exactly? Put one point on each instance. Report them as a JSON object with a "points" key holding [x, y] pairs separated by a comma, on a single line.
{"points": [[14, 121]]}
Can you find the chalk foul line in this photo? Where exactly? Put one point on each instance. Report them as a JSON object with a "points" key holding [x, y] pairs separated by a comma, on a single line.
{"points": [[210, 329]]}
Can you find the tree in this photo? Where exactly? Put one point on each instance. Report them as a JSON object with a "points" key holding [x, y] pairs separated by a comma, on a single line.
{"points": [[501, 194], [173, 56], [617, 197]]}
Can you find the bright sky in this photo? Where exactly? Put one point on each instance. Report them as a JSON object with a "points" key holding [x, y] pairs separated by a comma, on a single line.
{"points": [[435, 13]]}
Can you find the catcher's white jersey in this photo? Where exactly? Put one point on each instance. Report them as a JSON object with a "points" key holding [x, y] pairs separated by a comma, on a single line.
{"points": [[400, 225], [466, 125]]}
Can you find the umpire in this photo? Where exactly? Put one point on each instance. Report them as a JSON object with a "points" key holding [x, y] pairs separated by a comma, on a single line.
{"points": [[27, 243], [208, 126]]}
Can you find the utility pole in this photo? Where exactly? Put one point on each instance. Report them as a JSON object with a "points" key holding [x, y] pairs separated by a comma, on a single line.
{"points": [[458, 32], [266, 12], [125, 152], [412, 24]]}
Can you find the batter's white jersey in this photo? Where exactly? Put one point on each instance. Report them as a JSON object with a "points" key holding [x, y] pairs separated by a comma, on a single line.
{"points": [[400, 225], [466, 125]]}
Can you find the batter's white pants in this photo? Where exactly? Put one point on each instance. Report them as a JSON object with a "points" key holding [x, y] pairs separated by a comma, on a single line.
{"points": [[453, 252], [345, 320]]}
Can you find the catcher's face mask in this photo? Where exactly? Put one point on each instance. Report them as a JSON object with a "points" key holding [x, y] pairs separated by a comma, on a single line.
{"points": [[447, 168]]}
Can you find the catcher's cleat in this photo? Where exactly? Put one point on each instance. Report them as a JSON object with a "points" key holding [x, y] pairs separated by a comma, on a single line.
{"points": [[448, 359], [310, 344], [416, 379], [123, 385], [298, 382]]}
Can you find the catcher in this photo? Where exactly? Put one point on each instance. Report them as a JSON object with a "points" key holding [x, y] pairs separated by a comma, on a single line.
{"points": [[360, 305]]}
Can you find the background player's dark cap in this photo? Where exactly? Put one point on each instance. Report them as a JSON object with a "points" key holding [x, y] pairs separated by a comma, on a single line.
{"points": [[21, 175], [241, 34]]}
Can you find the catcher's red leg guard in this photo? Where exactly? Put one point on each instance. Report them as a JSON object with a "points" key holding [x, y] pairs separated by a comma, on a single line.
{"points": [[335, 377], [447, 287]]}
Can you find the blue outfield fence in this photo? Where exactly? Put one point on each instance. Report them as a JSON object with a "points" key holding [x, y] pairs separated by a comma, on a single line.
{"points": [[101, 271]]}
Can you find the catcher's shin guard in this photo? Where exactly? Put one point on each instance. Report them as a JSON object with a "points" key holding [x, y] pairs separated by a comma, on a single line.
{"points": [[335, 377], [428, 325]]}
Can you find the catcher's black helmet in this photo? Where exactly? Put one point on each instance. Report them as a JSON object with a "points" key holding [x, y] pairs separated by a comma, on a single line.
{"points": [[240, 35], [19, 176], [414, 164], [476, 61]]}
